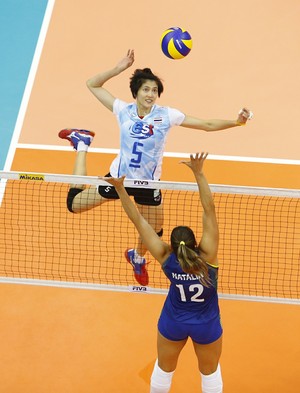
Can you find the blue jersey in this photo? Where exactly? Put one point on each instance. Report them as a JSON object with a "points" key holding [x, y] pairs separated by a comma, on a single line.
{"points": [[188, 301], [142, 140]]}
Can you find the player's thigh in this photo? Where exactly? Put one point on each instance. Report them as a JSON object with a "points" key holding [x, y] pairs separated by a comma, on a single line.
{"points": [[168, 352], [87, 199], [208, 355]]}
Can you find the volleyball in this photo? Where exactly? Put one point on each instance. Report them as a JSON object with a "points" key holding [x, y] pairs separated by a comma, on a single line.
{"points": [[176, 43]]}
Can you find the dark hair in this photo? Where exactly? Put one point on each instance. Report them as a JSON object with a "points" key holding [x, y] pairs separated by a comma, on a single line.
{"points": [[140, 76], [184, 245]]}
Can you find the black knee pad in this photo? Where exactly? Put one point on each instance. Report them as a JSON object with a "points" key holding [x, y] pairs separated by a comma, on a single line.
{"points": [[160, 233], [71, 195]]}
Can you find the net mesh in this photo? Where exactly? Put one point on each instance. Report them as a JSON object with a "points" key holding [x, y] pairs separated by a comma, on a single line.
{"points": [[40, 239]]}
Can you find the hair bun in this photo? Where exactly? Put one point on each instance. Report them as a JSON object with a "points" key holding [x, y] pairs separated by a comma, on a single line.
{"points": [[147, 71]]}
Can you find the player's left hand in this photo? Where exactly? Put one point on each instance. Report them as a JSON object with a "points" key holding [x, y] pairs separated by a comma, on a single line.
{"points": [[244, 115], [117, 182], [196, 162], [127, 61]]}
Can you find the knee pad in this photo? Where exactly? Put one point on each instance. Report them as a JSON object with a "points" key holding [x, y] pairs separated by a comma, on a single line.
{"points": [[212, 383], [71, 195], [160, 380]]}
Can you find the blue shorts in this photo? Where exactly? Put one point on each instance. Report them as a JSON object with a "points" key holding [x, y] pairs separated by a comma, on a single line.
{"points": [[204, 333]]}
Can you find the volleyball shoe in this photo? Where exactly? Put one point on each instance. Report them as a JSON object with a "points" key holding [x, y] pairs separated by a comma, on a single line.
{"points": [[139, 266], [75, 136]]}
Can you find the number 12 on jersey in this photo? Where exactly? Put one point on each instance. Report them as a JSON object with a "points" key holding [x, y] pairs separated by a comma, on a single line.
{"points": [[194, 291]]}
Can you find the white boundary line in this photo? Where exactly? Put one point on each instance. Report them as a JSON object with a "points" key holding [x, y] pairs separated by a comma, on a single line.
{"points": [[27, 91], [166, 154], [29, 84], [136, 289]]}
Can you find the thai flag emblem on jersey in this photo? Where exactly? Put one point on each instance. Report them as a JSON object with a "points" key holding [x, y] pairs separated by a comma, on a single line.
{"points": [[141, 130]]}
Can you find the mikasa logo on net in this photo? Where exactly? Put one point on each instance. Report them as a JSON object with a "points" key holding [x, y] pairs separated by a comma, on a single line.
{"points": [[31, 176]]}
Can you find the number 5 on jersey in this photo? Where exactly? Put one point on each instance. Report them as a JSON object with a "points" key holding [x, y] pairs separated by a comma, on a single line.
{"points": [[136, 160]]}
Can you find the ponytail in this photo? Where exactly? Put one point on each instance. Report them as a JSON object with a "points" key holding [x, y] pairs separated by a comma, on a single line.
{"points": [[184, 245], [191, 263]]}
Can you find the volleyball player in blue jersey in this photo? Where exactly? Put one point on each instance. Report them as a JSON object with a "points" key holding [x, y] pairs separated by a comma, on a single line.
{"points": [[191, 308], [144, 126]]}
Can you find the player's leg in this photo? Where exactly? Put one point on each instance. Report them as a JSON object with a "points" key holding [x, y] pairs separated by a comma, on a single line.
{"points": [[79, 197], [208, 356], [149, 203], [135, 256], [168, 352], [154, 215]]}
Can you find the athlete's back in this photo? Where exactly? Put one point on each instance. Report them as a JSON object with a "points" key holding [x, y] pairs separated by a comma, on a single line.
{"points": [[188, 300]]}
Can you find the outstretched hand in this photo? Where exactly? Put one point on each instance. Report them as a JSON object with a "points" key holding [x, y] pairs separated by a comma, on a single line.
{"points": [[196, 162], [244, 115], [117, 182], [127, 61]]}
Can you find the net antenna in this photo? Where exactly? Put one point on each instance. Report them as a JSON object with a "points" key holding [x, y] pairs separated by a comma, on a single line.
{"points": [[44, 244]]}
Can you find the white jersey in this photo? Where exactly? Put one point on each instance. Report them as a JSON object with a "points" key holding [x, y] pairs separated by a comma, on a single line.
{"points": [[142, 140]]}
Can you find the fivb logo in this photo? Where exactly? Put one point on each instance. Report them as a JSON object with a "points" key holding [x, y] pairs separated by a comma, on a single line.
{"points": [[141, 130], [136, 288], [140, 182]]}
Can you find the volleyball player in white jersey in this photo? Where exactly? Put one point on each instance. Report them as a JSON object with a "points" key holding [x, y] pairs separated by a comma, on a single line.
{"points": [[144, 126], [191, 308]]}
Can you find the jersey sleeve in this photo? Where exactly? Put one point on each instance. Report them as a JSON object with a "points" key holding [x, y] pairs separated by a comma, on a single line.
{"points": [[118, 105], [176, 117]]}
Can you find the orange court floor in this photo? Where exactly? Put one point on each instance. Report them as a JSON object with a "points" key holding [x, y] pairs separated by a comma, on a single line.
{"points": [[92, 341], [88, 341], [64, 340]]}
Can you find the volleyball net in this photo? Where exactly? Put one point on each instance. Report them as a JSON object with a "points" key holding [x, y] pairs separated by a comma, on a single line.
{"points": [[43, 243]]}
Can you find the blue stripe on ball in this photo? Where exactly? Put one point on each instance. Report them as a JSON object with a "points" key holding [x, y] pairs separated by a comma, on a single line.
{"points": [[175, 36]]}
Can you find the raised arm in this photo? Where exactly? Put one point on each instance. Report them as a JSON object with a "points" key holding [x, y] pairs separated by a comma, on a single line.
{"points": [[216, 125], [158, 249], [95, 84], [210, 231]]}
